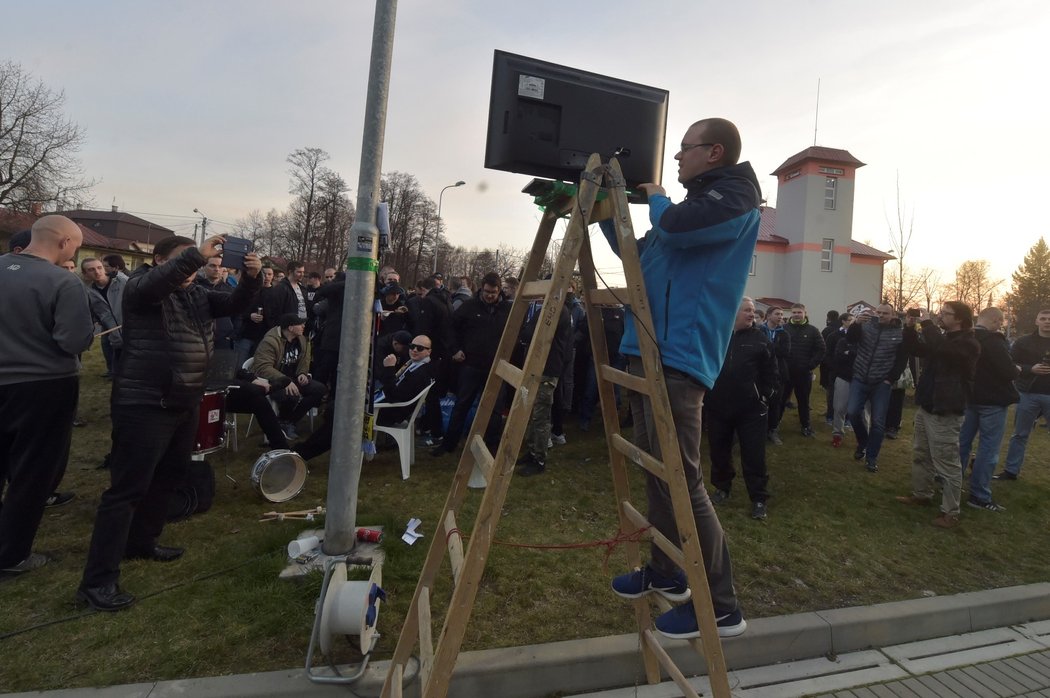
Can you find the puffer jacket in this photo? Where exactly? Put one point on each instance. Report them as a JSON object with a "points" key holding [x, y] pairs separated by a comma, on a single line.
{"points": [[168, 333], [807, 346], [748, 377], [946, 384], [880, 353], [477, 327]]}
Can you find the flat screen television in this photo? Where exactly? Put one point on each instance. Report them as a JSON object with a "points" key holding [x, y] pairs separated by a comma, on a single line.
{"points": [[545, 120]]}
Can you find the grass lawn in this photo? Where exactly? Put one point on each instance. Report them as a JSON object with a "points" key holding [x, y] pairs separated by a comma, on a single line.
{"points": [[835, 537]]}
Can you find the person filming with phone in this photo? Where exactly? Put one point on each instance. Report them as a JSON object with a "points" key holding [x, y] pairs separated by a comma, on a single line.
{"points": [[159, 382]]}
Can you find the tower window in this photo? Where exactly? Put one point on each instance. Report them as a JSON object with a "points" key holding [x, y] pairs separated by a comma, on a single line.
{"points": [[829, 193], [827, 250]]}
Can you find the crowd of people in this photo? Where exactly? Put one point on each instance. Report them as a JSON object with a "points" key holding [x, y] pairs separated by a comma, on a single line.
{"points": [[164, 326]]}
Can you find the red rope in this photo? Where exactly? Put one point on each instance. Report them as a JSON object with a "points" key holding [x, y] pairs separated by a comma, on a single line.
{"points": [[610, 544]]}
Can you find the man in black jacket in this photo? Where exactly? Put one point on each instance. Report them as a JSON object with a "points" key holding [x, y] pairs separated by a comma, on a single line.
{"points": [[1032, 354], [736, 410], [942, 395], [993, 393], [168, 343], [288, 296], [538, 433], [435, 321], [879, 362], [807, 351], [477, 327]]}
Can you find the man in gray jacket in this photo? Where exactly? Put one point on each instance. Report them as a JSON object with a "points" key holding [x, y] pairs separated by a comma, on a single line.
{"points": [[45, 325]]}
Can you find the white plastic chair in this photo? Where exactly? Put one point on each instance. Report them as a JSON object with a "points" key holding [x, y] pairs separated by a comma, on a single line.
{"points": [[404, 433]]}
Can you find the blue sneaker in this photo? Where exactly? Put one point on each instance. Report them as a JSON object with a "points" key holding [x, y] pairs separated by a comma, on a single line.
{"points": [[680, 623], [638, 583]]}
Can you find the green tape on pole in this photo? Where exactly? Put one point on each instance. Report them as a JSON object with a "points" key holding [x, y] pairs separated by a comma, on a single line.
{"points": [[362, 264]]}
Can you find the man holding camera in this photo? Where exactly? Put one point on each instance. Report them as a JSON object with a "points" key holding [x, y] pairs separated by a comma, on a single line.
{"points": [[1032, 354], [168, 343], [942, 394]]}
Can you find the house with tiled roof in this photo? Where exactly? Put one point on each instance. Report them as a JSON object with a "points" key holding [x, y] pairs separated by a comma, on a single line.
{"points": [[805, 250], [96, 242]]}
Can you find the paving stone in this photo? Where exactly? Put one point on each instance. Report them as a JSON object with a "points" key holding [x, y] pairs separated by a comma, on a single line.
{"points": [[981, 679], [1006, 677], [959, 683]]}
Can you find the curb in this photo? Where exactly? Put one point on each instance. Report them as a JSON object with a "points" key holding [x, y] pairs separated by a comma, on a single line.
{"points": [[577, 666]]}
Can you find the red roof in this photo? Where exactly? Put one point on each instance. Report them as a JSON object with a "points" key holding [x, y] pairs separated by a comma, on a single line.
{"points": [[770, 302], [768, 226], [821, 153]]}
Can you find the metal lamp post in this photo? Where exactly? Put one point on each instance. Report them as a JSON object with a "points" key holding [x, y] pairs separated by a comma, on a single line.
{"points": [[460, 183], [204, 225]]}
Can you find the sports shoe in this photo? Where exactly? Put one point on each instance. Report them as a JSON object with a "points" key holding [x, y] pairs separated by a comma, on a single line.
{"points": [[57, 499], [912, 500], [774, 438], [33, 562], [872, 466], [680, 623], [758, 511], [836, 440], [558, 439], [636, 584], [829, 421], [808, 433], [989, 505], [859, 453], [891, 434], [1004, 475], [431, 441], [719, 497], [529, 466], [289, 431], [946, 521]]}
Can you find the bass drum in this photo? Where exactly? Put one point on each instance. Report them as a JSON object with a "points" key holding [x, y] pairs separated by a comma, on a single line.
{"points": [[279, 475], [211, 423]]}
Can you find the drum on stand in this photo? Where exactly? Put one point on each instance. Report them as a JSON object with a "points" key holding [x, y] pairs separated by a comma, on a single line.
{"points": [[279, 475], [211, 424]]}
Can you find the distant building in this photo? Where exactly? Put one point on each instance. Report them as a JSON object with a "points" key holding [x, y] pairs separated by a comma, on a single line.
{"points": [[120, 226], [805, 250], [96, 244]]}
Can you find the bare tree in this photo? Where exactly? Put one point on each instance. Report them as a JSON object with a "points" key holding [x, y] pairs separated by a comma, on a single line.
{"points": [[415, 237], [38, 145], [307, 173], [900, 238], [973, 285], [269, 232]]}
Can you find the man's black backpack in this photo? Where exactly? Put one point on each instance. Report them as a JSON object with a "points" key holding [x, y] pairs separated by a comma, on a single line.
{"points": [[196, 494]]}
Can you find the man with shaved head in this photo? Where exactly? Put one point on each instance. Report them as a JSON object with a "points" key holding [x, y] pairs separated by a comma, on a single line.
{"points": [[45, 325]]}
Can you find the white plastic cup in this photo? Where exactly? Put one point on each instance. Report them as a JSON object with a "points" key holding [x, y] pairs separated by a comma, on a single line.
{"points": [[301, 546]]}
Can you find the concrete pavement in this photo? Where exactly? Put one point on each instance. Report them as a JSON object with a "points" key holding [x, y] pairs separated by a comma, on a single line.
{"points": [[832, 650]]}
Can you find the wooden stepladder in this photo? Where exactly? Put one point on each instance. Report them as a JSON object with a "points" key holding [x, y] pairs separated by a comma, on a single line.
{"points": [[437, 661]]}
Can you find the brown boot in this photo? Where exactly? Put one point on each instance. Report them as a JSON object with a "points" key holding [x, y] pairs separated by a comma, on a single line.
{"points": [[915, 501], [946, 521]]}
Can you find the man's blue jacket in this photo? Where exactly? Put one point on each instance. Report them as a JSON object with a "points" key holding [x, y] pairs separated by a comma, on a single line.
{"points": [[695, 261]]}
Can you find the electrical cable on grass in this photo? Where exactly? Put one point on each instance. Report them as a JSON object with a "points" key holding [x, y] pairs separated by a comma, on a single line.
{"points": [[77, 616]]}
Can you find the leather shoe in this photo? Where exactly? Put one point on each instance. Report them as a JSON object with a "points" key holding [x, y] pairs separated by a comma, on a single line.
{"points": [[108, 597], [158, 553]]}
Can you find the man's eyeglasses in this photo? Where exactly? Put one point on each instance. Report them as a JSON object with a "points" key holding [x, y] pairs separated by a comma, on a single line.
{"points": [[418, 347], [686, 147]]}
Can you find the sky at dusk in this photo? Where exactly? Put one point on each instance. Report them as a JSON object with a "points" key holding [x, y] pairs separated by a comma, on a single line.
{"points": [[197, 104]]}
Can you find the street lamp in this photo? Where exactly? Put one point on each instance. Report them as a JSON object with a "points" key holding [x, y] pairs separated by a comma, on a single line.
{"points": [[460, 183], [204, 225]]}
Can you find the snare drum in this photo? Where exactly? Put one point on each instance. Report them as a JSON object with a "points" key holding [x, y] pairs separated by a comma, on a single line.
{"points": [[211, 423], [279, 475]]}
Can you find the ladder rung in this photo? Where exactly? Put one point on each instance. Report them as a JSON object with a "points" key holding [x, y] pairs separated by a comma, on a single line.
{"points": [[455, 546], [662, 542], [535, 289], [638, 456], [482, 457], [426, 640], [510, 373], [608, 296], [636, 383], [668, 664]]}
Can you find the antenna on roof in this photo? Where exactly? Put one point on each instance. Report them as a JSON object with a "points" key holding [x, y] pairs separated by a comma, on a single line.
{"points": [[113, 206], [816, 113]]}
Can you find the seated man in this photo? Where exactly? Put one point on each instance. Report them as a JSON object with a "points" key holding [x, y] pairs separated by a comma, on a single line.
{"points": [[399, 385], [396, 344], [283, 358], [247, 395]]}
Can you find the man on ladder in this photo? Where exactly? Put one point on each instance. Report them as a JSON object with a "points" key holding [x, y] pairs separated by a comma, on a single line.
{"points": [[695, 261]]}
